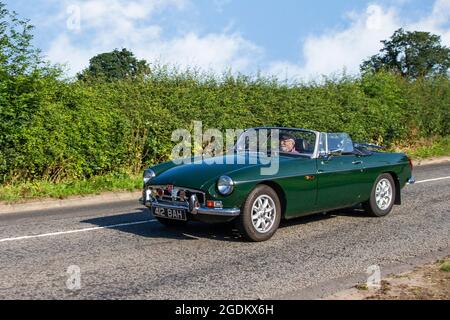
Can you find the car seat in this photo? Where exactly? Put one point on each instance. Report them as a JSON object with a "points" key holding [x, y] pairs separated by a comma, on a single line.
{"points": [[302, 146]]}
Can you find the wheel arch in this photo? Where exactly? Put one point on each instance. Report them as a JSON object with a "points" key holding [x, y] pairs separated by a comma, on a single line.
{"points": [[280, 193], [398, 194]]}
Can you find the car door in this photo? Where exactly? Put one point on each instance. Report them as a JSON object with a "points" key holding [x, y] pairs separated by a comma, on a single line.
{"points": [[340, 181], [300, 187], [340, 177]]}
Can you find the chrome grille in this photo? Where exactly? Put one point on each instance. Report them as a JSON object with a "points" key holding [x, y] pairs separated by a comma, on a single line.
{"points": [[175, 195]]}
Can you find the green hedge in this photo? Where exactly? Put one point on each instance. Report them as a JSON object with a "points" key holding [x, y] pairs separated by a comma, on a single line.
{"points": [[57, 130]]}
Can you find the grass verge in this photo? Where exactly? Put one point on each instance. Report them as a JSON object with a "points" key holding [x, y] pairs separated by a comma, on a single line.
{"points": [[18, 192], [429, 148], [445, 266]]}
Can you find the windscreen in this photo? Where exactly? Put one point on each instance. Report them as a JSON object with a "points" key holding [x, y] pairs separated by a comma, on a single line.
{"points": [[286, 141]]}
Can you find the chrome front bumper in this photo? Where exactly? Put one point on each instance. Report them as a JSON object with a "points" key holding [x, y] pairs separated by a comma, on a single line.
{"points": [[192, 206], [221, 212]]}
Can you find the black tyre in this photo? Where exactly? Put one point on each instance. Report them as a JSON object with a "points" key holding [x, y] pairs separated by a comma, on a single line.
{"points": [[260, 214], [382, 197], [171, 223]]}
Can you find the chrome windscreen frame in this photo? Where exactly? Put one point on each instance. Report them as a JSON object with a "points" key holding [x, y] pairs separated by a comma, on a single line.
{"points": [[317, 134]]}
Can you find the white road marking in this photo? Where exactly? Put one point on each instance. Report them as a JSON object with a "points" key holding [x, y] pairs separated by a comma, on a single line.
{"points": [[431, 180], [128, 224], [75, 231]]}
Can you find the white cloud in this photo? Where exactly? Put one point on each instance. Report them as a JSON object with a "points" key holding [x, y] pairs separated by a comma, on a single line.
{"points": [[337, 50], [109, 24], [221, 4], [104, 13], [63, 51], [213, 51], [437, 22]]}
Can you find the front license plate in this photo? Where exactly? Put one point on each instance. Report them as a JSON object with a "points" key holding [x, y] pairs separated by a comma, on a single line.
{"points": [[168, 213]]}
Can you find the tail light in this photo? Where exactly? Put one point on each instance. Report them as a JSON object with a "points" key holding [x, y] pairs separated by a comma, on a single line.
{"points": [[411, 166]]}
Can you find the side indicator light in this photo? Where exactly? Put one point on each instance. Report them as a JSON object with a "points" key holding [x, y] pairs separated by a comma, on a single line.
{"points": [[214, 204]]}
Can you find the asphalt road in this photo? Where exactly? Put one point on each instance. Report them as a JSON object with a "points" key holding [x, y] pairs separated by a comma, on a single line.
{"points": [[122, 253]]}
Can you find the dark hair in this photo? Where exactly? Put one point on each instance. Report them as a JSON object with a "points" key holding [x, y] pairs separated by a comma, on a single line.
{"points": [[287, 136]]}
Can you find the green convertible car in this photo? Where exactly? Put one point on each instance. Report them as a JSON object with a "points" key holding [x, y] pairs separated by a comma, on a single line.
{"points": [[314, 172]]}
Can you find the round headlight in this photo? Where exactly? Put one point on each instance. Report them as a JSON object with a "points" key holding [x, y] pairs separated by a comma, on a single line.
{"points": [[225, 185], [149, 174]]}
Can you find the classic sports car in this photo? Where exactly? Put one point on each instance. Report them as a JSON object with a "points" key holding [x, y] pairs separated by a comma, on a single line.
{"points": [[317, 172]]}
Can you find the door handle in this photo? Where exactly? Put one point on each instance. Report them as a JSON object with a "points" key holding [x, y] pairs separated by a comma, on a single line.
{"points": [[357, 162]]}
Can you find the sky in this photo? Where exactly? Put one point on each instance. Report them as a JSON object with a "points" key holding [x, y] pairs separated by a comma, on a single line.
{"points": [[289, 39]]}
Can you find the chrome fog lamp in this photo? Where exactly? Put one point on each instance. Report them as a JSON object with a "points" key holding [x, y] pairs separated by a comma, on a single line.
{"points": [[225, 185], [149, 174]]}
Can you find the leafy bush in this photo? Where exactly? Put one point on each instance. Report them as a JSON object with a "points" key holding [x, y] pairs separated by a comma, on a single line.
{"points": [[61, 130]]}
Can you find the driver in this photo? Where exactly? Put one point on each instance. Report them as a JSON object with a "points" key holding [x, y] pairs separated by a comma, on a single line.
{"points": [[287, 143]]}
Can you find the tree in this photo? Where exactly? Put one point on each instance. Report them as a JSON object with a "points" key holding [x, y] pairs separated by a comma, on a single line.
{"points": [[114, 65], [412, 54], [17, 55], [25, 80]]}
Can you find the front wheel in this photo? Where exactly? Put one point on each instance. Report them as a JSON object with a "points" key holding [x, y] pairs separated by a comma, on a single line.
{"points": [[261, 214], [382, 197]]}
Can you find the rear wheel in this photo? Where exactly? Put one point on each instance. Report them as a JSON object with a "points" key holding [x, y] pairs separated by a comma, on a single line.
{"points": [[382, 197], [261, 214]]}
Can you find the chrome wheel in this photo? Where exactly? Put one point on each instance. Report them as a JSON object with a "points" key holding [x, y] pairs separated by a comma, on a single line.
{"points": [[264, 213], [383, 194]]}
